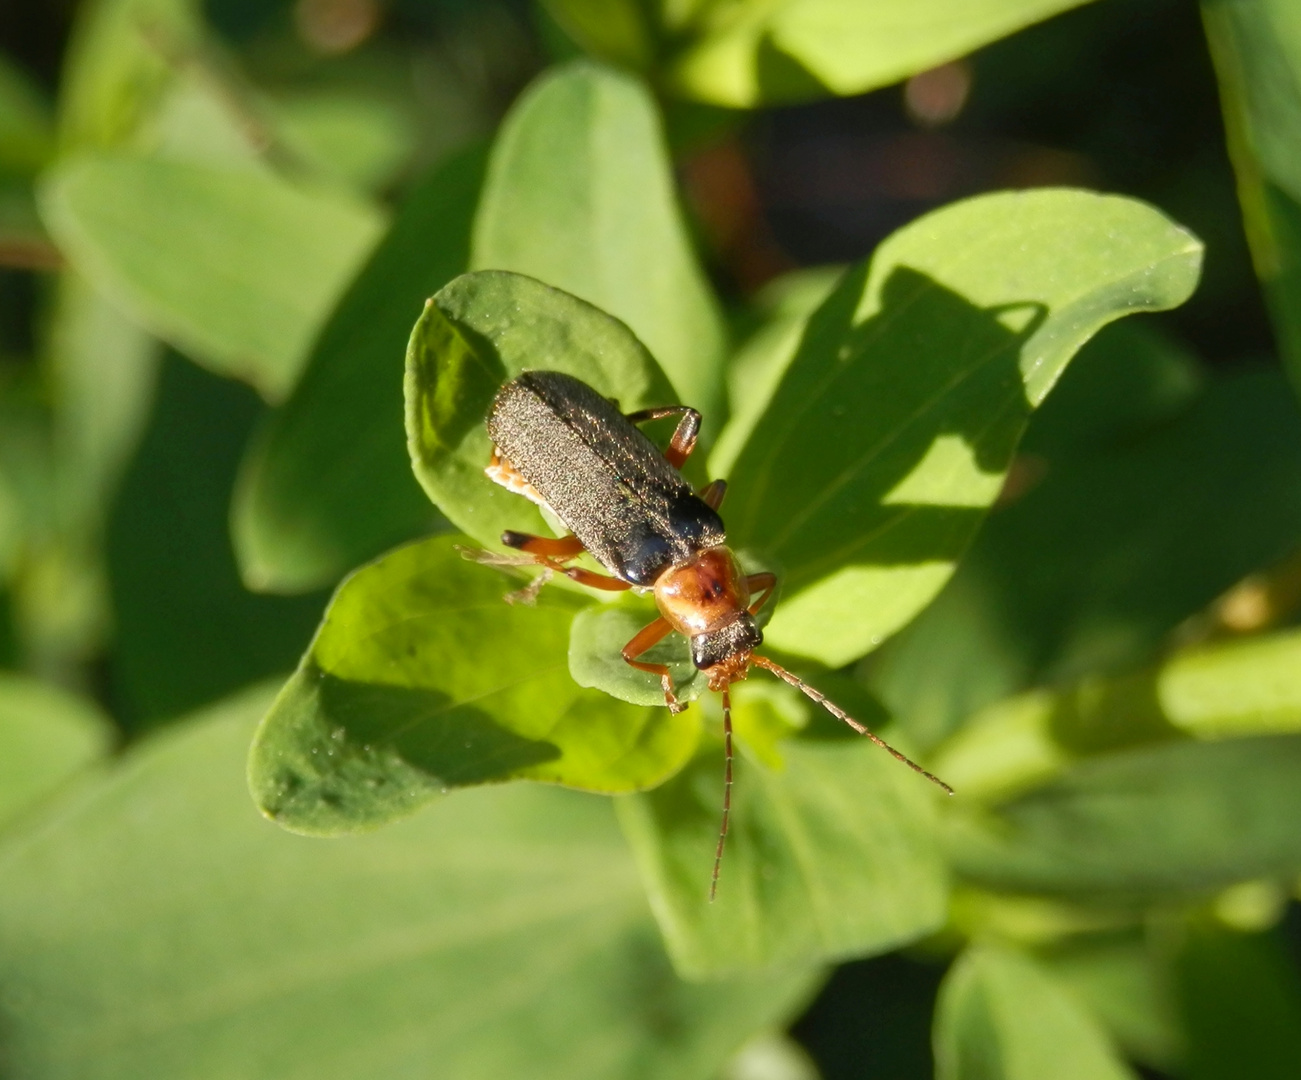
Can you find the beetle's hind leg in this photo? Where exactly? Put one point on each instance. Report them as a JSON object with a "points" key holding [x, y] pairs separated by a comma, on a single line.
{"points": [[646, 638]]}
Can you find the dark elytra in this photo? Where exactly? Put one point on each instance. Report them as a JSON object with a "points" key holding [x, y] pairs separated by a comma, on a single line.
{"points": [[601, 476]]}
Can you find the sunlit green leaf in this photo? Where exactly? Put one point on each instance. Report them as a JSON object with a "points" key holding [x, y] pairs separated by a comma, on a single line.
{"points": [[361, 140], [311, 502], [1256, 46], [234, 266], [423, 678], [479, 332], [46, 737], [1001, 1017], [156, 927], [580, 195], [830, 854], [895, 424], [1180, 818], [122, 59], [754, 52]]}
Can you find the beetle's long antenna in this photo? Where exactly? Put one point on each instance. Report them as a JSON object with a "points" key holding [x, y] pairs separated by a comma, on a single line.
{"points": [[727, 791], [840, 714]]}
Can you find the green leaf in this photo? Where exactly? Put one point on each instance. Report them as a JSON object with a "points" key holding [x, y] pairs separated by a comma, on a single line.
{"points": [[755, 371], [1090, 570], [580, 195], [422, 678], [155, 926], [598, 632], [831, 854], [26, 131], [310, 502], [121, 62], [46, 737], [613, 29], [234, 266], [1001, 1017], [1238, 688], [1256, 47], [1250, 687], [754, 52], [894, 426], [1125, 982], [186, 630], [1177, 819], [479, 332], [357, 138]]}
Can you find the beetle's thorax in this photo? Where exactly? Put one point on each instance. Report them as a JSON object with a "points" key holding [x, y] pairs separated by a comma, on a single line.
{"points": [[707, 599]]}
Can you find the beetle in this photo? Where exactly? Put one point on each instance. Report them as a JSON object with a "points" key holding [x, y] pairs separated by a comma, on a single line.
{"points": [[560, 443]]}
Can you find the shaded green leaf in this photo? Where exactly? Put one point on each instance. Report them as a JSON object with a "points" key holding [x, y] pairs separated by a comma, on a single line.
{"points": [[234, 266], [46, 737], [502, 933], [1001, 1017], [755, 370], [580, 195], [422, 678], [362, 140], [754, 52], [187, 631], [831, 854], [594, 660], [1125, 983], [894, 426], [1091, 569], [1180, 818], [479, 332], [1256, 47], [613, 29], [311, 503], [26, 129]]}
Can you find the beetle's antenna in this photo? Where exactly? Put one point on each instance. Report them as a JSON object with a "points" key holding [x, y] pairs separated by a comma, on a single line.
{"points": [[727, 791], [840, 714]]}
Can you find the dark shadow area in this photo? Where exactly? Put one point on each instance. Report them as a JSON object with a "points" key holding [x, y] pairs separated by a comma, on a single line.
{"points": [[872, 1021], [1117, 95], [187, 631], [456, 744], [847, 410]]}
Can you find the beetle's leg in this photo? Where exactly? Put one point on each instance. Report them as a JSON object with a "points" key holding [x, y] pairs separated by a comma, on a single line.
{"points": [[567, 547], [713, 492], [764, 583], [646, 638], [684, 437], [552, 553], [590, 578]]}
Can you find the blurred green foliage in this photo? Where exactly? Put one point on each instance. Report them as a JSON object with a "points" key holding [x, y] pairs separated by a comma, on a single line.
{"points": [[1056, 559]]}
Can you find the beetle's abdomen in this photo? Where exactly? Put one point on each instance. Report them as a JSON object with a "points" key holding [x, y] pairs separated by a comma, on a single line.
{"points": [[601, 476]]}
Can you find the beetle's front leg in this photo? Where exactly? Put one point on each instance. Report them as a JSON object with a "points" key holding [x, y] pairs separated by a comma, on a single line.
{"points": [[646, 638]]}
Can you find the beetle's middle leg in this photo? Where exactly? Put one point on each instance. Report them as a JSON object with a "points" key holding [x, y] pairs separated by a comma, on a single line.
{"points": [[684, 437], [646, 638]]}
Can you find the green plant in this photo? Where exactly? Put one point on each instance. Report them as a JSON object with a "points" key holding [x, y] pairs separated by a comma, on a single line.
{"points": [[1052, 557]]}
